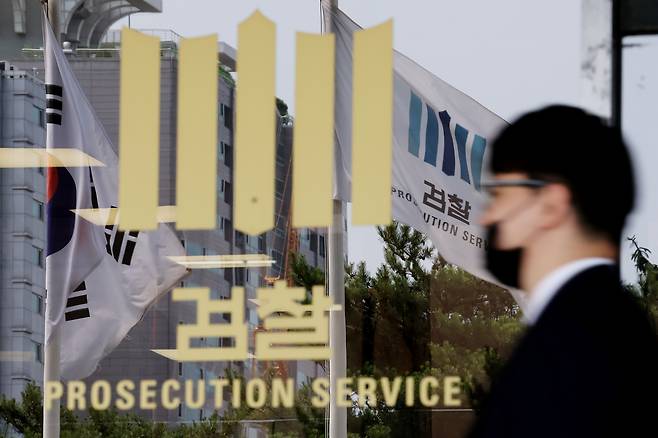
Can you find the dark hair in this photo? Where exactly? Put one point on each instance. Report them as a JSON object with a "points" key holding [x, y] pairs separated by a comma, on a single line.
{"points": [[568, 145]]}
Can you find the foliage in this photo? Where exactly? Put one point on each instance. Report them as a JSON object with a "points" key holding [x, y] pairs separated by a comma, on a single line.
{"points": [[225, 74], [419, 316], [25, 417], [304, 274], [646, 289]]}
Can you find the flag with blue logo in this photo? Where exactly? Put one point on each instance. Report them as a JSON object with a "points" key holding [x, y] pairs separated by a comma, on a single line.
{"points": [[441, 140], [100, 280]]}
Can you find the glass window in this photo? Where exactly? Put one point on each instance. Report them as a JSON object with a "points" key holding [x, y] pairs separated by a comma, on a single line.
{"points": [[38, 352], [239, 239], [37, 256], [39, 117], [313, 244], [228, 155], [228, 194], [228, 117], [239, 276], [37, 303], [228, 230], [37, 209]]}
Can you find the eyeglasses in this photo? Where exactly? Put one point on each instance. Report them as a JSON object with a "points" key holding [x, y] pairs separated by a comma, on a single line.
{"points": [[532, 183]]}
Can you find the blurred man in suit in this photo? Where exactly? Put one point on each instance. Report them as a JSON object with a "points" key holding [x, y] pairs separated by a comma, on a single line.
{"points": [[587, 365]]}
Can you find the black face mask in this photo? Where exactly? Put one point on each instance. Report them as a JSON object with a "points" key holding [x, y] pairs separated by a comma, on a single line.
{"points": [[503, 264]]}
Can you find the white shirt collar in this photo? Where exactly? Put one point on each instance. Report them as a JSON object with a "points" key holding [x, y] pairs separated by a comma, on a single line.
{"points": [[548, 286]]}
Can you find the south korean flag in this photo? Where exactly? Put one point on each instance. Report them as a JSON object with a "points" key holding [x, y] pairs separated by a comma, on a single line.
{"points": [[100, 279]]}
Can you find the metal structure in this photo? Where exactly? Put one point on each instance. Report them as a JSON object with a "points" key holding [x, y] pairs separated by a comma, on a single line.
{"points": [[605, 24], [83, 23]]}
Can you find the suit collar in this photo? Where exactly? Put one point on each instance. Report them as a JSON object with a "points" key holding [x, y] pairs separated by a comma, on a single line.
{"points": [[551, 283]]}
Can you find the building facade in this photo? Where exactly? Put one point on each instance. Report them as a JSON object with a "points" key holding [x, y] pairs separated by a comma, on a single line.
{"points": [[22, 234]]}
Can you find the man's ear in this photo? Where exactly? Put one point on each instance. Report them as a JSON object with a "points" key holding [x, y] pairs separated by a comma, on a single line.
{"points": [[556, 205]]}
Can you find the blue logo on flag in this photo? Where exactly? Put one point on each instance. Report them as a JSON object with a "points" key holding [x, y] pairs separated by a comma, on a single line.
{"points": [[432, 142]]}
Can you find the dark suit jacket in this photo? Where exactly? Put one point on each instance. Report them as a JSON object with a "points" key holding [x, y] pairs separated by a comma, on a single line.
{"points": [[587, 368]]}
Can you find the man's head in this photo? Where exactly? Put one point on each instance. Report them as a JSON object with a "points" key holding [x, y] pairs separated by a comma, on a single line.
{"points": [[562, 181]]}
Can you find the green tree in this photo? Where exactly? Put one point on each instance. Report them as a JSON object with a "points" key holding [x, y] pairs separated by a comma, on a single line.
{"points": [[646, 288], [418, 315], [304, 274]]}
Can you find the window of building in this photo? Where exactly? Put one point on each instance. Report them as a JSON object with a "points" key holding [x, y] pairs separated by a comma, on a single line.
{"points": [[239, 276], [38, 352], [228, 155], [228, 230], [228, 117], [37, 209], [37, 303], [261, 242], [313, 244], [37, 254], [39, 116], [180, 368], [239, 239], [180, 409], [321, 245], [228, 193]]}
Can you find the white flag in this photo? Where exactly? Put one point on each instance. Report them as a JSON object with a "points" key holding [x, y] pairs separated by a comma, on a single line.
{"points": [[441, 143], [100, 280]]}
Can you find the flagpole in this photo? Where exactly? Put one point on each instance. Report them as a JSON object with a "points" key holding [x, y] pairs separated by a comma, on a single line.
{"points": [[51, 370], [336, 258]]}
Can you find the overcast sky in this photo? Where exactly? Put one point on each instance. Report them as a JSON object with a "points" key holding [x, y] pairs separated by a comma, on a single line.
{"points": [[510, 55]]}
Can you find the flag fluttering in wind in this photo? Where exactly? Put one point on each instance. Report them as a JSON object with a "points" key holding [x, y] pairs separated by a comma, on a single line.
{"points": [[441, 141], [99, 280]]}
